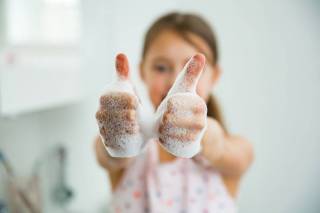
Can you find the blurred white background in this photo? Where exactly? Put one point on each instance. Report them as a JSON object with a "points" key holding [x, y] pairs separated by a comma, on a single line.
{"points": [[269, 91]]}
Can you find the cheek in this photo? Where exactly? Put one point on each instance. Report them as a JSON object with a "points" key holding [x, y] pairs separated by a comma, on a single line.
{"points": [[156, 89]]}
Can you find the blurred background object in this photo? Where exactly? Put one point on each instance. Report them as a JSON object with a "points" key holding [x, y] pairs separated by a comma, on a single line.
{"points": [[40, 49], [23, 194], [58, 55], [44, 190], [62, 193]]}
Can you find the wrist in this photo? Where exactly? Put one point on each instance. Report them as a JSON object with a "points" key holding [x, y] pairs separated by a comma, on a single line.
{"points": [[212, 142]]}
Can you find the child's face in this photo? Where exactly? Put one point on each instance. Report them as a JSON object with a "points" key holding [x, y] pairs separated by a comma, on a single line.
{"points": [[166, 57]]}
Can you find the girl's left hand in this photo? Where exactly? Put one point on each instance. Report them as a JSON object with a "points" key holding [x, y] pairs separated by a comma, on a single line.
{"points": [[183, 113]]}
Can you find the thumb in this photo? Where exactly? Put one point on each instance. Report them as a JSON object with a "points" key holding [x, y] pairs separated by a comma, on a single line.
{"points": [[187, 79], [122, 66]]}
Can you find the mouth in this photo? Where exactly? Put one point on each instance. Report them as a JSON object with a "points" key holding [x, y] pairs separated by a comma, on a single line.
{"points": [[161, 99]]}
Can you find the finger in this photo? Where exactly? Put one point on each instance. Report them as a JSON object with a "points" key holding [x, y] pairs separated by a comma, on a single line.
{"points": [[122, 66], [112, 130], [118, 101], [188, 122], [188, 78], [116, 123], [176, 133], [110, 136], [110, 133], [185, 102], [116, 117]]}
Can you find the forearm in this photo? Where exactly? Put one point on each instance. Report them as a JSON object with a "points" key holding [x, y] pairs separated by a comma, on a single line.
{"points": [[106, 161], [230, 155]]}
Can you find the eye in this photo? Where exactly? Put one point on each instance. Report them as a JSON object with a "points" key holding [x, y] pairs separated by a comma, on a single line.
{"points": [[161, 68]]}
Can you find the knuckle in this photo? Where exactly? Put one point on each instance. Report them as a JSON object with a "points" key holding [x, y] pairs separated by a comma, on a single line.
{"points": [[103, 131], [170, 103], [127, 101], [119, 100], [183, 134], [199, 108], [166, 118], [163, 129], [133, 102], [103, 99], [200, 123], [130, 129], [97, 115], [131, 115], [160, 129], [100, 115]]}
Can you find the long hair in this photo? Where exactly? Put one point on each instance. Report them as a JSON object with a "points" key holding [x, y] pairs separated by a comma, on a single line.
{"points": [[184, 24]]}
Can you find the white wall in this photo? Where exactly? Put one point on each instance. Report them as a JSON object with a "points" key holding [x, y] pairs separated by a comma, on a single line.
{"points": [[269, 92]]}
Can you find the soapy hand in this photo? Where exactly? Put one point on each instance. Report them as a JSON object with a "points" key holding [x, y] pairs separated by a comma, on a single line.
{"points": [[117, 115], [182, 115], [179, 122]]}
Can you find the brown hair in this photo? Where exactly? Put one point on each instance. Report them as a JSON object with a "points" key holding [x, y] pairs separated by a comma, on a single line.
{"points": [[184, 24]]}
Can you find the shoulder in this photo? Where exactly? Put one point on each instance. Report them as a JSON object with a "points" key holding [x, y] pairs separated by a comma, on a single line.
{"points": [[244, 145]]}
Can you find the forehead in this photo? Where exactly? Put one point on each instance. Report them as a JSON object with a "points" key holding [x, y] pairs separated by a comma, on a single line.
{"points": [[171, 45]]}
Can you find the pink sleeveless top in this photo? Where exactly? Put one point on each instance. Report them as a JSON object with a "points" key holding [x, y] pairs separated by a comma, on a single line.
{"points": [[181, 186]]}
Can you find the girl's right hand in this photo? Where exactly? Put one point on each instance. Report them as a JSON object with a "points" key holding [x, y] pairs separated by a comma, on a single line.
{"points": [[117, 115]]}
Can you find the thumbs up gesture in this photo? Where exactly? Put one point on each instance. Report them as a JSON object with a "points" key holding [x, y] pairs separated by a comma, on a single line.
{"points": [[179, 122], [117, 115], [182, 115]]}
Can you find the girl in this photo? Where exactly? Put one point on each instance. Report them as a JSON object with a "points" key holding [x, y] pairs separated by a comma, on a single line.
{"points": [[157, 181]]}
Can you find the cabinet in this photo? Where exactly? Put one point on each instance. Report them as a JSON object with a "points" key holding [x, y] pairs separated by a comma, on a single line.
{"points": [[40, 55]]}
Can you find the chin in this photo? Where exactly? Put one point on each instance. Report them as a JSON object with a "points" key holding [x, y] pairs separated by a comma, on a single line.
{"points": [[157, 102]]}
